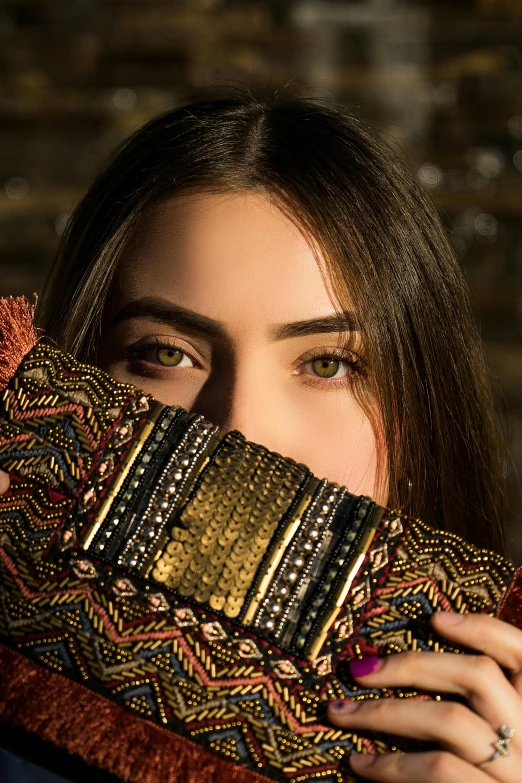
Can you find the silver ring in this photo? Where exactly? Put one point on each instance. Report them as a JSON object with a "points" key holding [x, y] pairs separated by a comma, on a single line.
{"points": [[501, 746]]}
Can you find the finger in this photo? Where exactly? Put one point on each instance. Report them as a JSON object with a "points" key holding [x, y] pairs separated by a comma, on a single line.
{"points": [[450, 724], [478, 678], [431, 767], [495, 638], [4, 482]]}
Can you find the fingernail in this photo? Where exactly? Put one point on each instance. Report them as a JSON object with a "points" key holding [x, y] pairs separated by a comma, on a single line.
{"points": [[450, 618], [361, 667], [344, 705], [362, 760]]}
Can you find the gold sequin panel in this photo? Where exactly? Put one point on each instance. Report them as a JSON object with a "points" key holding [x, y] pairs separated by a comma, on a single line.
{"points": [[217, 543]]}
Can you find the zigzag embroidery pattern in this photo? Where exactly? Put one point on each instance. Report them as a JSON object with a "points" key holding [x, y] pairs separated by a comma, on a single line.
{"points": [[53, 427], [430, 570], [166, 658], [188, 672], [175, 666]]}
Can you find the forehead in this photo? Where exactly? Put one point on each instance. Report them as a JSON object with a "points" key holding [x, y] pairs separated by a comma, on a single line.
{"points": [[228, 256]]}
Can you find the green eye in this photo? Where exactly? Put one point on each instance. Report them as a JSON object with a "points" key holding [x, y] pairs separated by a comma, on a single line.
{"points": [[325, 367], [169, 357]]}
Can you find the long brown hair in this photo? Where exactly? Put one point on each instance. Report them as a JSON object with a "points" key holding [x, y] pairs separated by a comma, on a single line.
{"points": [[387, 255]]}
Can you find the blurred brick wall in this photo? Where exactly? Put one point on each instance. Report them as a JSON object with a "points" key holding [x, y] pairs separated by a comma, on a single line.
{"points": [[443, 81]]}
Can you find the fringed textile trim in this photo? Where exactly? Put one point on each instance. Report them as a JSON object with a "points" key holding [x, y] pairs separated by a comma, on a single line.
{"points": [[18, 334]]}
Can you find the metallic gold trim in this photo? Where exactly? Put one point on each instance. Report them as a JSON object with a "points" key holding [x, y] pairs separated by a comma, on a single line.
{"points": [[355, 564], [277, 555], [123, 472]]}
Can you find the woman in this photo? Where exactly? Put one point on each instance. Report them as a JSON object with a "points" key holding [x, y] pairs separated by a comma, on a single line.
{"points": [[272, 266]]}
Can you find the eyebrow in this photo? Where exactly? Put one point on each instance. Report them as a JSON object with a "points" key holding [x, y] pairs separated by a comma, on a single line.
{"points": [[162, 311]]}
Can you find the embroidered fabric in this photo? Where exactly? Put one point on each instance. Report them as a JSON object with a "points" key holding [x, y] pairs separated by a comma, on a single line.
{"points": [[198, 595]]}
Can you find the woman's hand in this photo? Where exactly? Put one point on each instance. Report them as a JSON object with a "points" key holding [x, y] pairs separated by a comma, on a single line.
{"points": [[491, 683], [4, 482]]}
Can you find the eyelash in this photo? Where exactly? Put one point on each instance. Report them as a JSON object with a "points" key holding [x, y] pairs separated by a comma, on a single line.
{"points": [[353, 362], [135, 354]]}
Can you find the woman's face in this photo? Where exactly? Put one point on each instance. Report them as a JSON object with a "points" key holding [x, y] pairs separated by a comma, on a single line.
{"points": [[220, 306]]}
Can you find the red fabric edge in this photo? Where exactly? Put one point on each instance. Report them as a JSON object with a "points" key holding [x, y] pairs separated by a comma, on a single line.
{"points": [[103, 734], [510, 608]]}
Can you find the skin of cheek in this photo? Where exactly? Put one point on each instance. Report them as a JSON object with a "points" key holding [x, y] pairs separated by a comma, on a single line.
{"points": [[240, 261], [330, 433]]}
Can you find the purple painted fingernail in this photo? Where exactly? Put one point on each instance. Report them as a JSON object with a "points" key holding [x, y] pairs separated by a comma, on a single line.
{"points": [[361, 667], [344, 705]]}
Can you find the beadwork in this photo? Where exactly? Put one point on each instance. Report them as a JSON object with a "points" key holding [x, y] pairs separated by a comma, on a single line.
{"points": [[164, 563]]}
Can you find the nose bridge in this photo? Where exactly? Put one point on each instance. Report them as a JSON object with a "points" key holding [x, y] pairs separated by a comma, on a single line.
{"points": [[249, 402], [244, 392]]}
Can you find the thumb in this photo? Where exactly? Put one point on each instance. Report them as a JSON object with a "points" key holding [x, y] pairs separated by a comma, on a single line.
{"points": [[4, 482]]}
